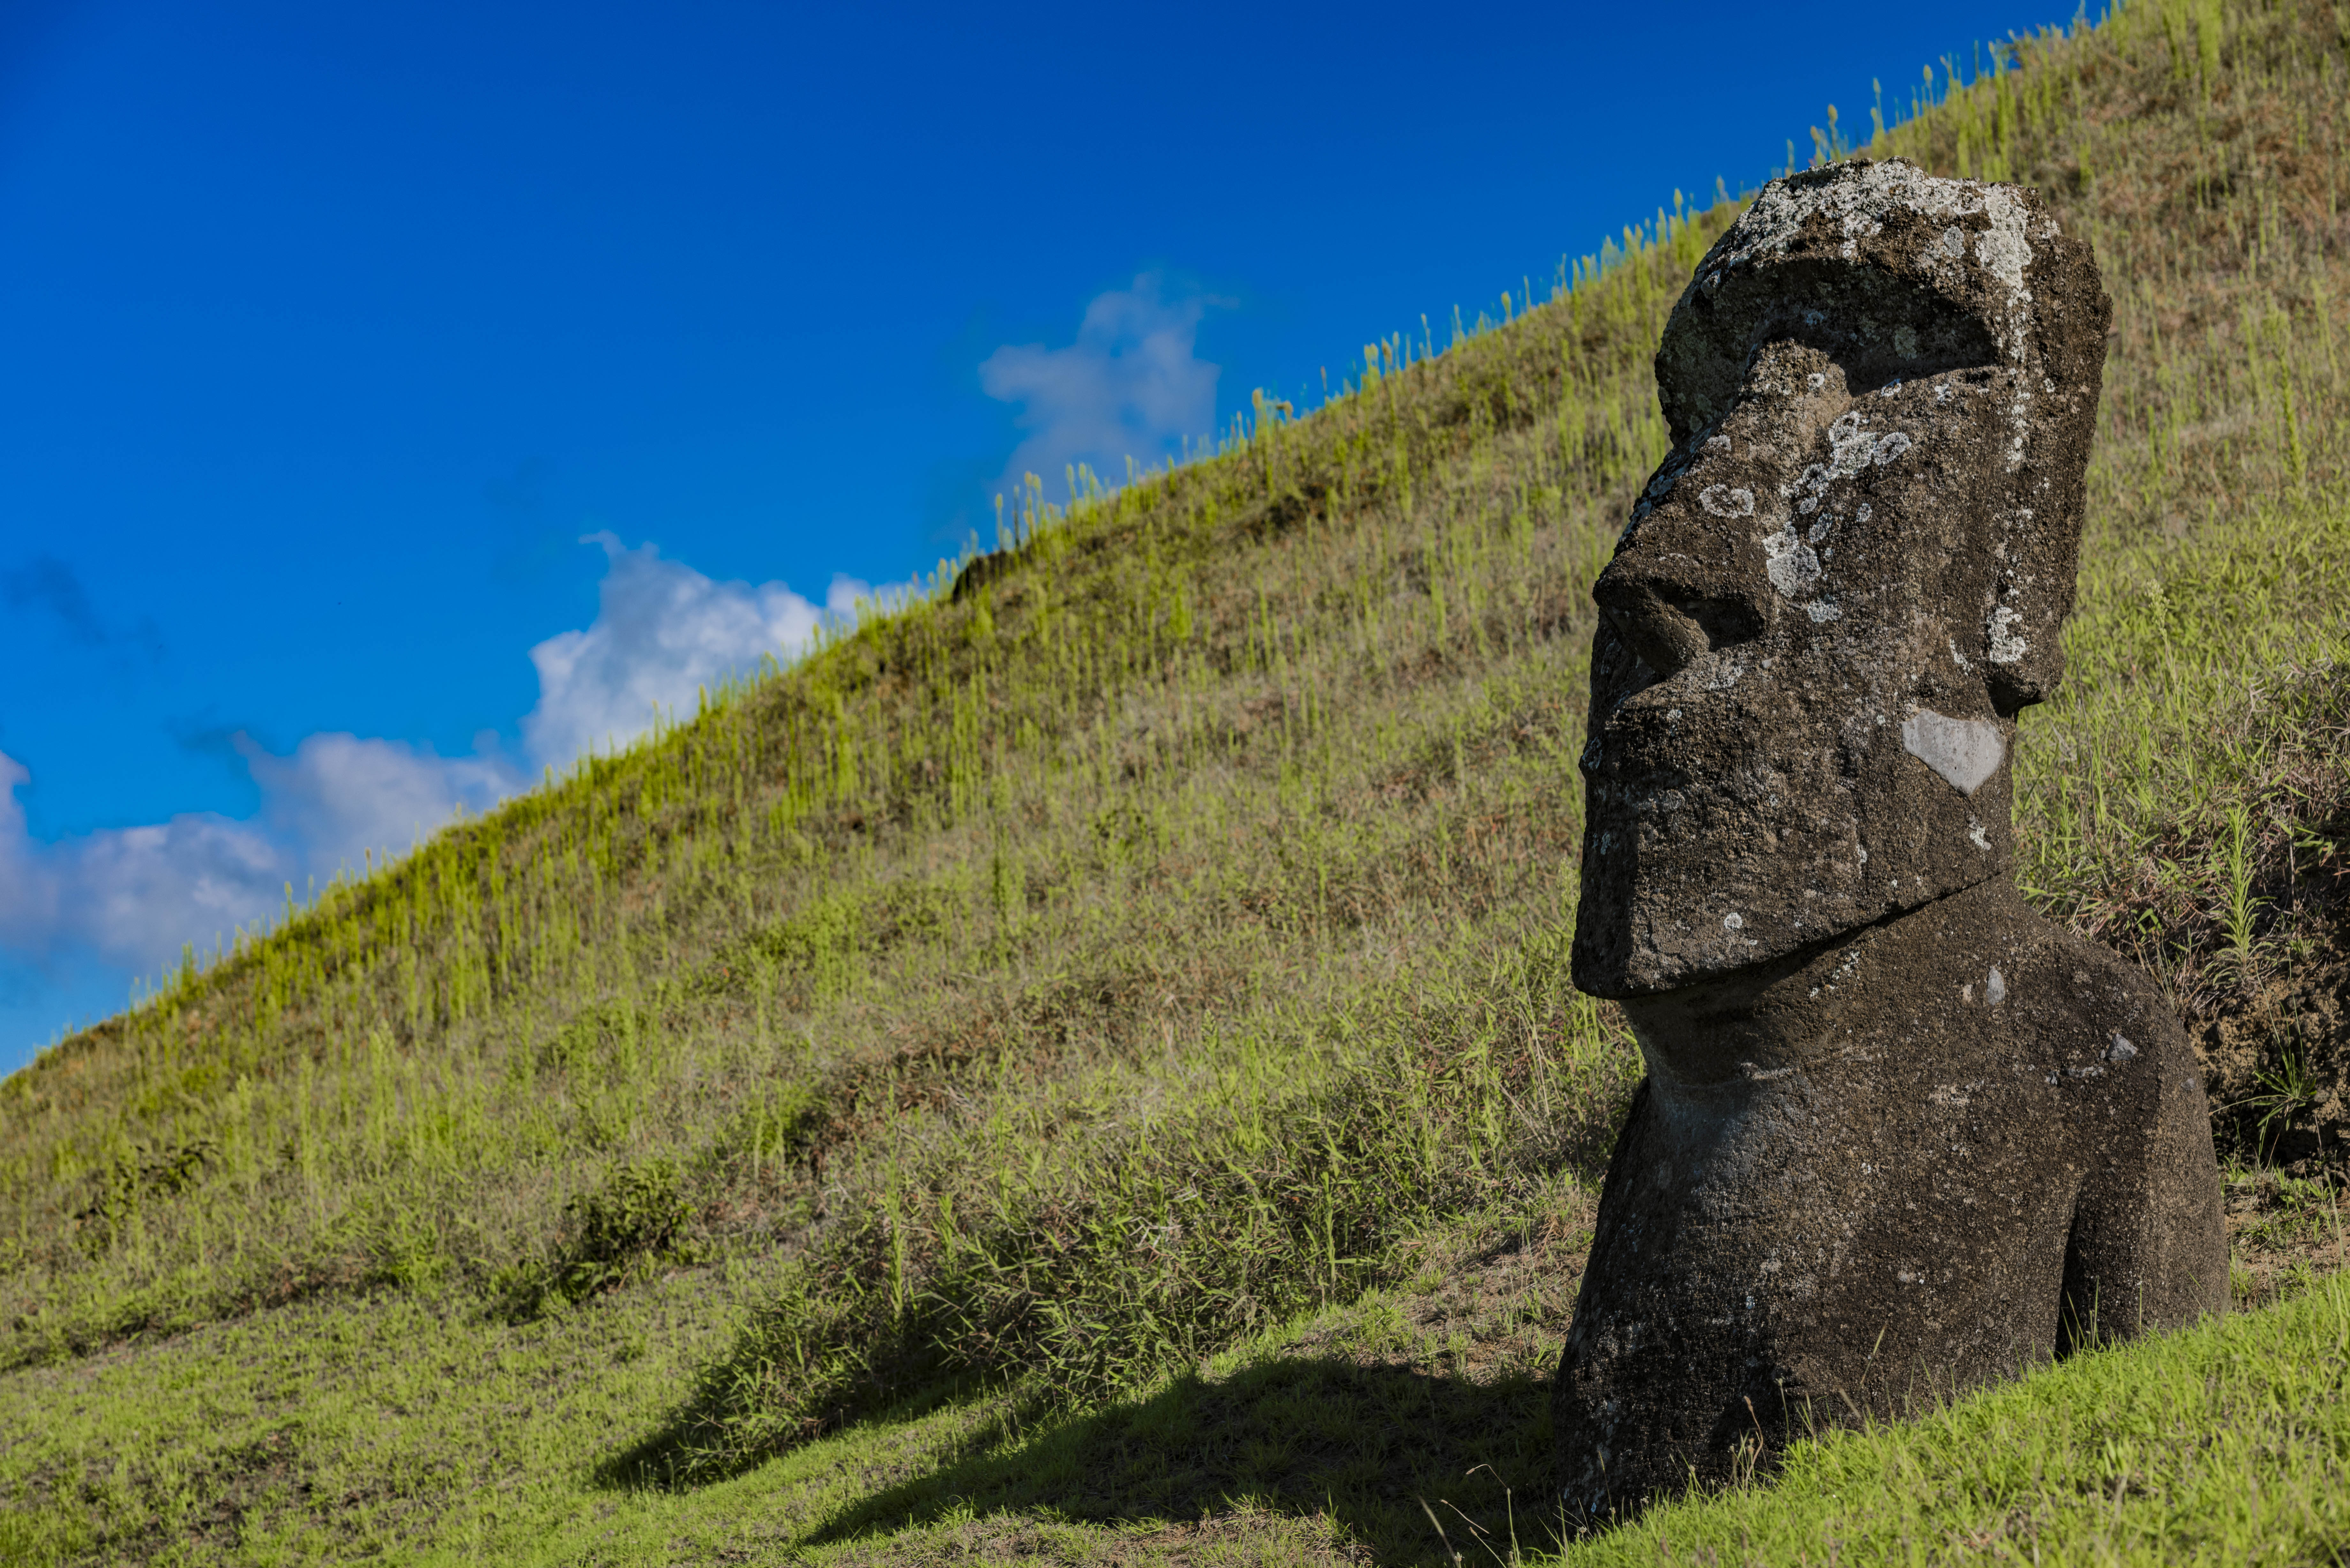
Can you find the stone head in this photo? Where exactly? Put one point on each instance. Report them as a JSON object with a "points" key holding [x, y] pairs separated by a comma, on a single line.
{"points": [[1846, 578]]}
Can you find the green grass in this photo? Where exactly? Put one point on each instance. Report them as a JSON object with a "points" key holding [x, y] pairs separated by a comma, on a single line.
{"points": [[1083, 1068]]}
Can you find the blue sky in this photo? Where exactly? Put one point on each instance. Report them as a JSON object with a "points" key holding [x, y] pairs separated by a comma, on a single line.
{"points": [[395, 398]]}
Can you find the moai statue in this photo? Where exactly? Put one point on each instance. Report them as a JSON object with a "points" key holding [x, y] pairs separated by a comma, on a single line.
{"points": [[1900, 1135]]}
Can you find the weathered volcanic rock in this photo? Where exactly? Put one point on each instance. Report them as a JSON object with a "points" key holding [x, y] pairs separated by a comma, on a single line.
{"points": [[1900, 1135], [1844, 580]]}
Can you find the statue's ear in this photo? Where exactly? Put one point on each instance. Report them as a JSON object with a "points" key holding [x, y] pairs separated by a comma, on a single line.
{"points": [[2038, 525], [2024, 630]]}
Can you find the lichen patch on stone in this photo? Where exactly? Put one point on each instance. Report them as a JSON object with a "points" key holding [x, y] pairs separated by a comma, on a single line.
{"points": [[1721, 501], [1964, 751], [1793, 566], [1998, 631]]}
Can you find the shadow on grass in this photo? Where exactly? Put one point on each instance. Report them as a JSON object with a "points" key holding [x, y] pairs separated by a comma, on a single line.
{"points": [[1365, 1445]]}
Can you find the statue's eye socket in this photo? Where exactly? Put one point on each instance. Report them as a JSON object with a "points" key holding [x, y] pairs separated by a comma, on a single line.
{"points": [[1723, 621]]}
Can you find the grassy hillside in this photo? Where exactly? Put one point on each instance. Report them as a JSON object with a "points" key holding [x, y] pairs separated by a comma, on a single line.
{"points": [[1084, 1065]]}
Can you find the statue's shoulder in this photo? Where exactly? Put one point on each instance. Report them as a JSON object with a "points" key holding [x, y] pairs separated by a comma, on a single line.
{"points": [[2087, 983]]}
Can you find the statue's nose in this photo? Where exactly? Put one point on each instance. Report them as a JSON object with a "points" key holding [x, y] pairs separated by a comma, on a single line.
{"points": [[1680, 588]]}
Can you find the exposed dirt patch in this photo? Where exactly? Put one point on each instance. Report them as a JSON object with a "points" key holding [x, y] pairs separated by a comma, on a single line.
{"points": [[2277, 1060], [2276, 1053], [1485, 1308], [1240, 1538]]}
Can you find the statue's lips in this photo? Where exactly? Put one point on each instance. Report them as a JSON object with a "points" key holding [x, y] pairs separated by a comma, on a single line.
{"points": [[1714, 800], [1694, 723]]}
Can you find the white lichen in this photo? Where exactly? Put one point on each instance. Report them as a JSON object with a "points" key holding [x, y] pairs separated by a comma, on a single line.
{"points": [[1851, 447], [1857, 204], [1998, 631], [1963, 752], [1721, 501], [2002, 250], [1792, 565]]}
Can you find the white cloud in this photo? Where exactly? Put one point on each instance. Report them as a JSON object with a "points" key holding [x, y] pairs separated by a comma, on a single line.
{"points": [[28, 897], [1130, 386], [133, 895], [662, 632], [339, 796], [136, 894]]}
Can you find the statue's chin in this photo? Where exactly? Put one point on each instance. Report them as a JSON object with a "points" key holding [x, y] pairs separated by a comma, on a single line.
{"points": [[1682, 879], [1630, 974], [1635, 941], [1621, 971]]}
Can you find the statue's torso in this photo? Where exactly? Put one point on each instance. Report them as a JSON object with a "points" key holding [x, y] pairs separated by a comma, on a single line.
{"points": [[1859, 1186]]}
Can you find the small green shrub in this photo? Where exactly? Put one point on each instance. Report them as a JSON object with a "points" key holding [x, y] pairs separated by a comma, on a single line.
{"points": [[132, 1177], [639, 1219]]}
